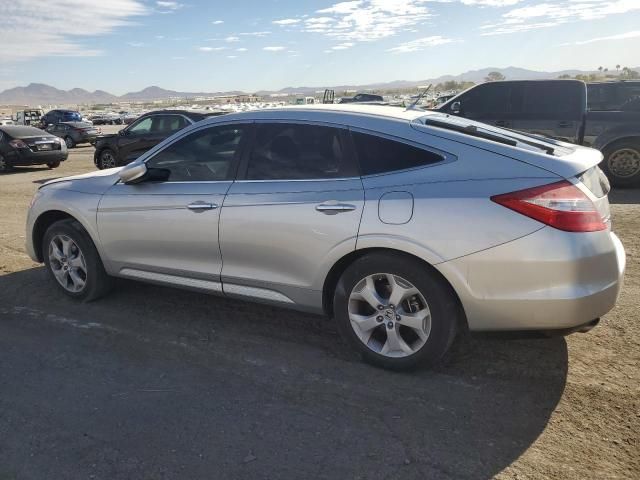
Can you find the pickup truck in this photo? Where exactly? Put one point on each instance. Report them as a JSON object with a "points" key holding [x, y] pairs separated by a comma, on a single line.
{"points": [[603, 115]]}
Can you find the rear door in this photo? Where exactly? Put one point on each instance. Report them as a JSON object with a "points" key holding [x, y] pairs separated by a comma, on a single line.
{"points": [[553, 108], [294, 209]]}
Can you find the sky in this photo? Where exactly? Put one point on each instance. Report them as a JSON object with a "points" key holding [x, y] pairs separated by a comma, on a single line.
{"points": [[209, 45]]}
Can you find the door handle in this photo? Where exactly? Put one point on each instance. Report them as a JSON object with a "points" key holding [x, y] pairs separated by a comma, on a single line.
{"points": [[565, 124], [201, 206], [333, 208]]}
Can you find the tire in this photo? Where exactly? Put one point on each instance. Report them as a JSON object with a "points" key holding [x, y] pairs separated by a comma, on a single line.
{"points": [[621, 163], [437, 328], [4, 165], [84, 269], [107, 159], [53, 164], [69, 141]]}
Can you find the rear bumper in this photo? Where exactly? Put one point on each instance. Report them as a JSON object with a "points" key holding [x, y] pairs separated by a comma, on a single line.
{"points": [[549, 280], [25, 157]]}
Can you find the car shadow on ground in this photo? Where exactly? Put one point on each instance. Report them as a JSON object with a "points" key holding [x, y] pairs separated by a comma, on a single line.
{"points": [[21, 169], [260, 390], [624, 196]]}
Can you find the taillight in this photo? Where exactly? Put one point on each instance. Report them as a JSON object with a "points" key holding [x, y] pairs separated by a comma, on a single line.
{"points": [[18, 144], [561, 205]]}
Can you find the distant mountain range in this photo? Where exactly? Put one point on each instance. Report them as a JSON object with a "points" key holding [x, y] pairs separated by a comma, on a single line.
{"points": [[41, 94]]}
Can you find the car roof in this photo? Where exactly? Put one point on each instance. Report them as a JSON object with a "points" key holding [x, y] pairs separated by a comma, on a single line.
{"points": [[186, 113]]}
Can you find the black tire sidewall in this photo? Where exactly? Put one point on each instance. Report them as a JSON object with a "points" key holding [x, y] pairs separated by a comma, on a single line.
{"points": [[441, 301], [623, 182], [53, 164], [97, 280], [7, 167], [100, 159], [67, 139]]}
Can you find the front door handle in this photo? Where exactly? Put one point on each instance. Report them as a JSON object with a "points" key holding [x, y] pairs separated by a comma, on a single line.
{"points": [[201, 206], [333, 208]]}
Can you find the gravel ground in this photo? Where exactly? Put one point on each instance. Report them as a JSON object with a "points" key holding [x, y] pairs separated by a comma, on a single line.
{"points": [[154, 383]]}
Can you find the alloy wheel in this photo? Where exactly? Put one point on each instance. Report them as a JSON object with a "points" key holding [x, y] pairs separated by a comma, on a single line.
{"points": [[69, 142], [67, 263], [107, 160], [389, 315], [624, 163]]}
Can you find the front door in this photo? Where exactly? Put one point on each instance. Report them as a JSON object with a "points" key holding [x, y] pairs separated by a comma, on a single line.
{"points": [[166, 230], [294, 211]]}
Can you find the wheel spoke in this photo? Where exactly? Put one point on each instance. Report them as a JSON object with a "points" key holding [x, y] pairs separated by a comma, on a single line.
{"points": [[78, 282], [395, 343], [78, 262], [55, 251], [398, 292], [364, 322], [66, 246], [369, 294]]}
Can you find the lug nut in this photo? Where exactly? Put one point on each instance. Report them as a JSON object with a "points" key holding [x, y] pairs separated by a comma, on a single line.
{"points": [[390, 325], [398, 318], [391, 305], [379, 318], [380, 307]]}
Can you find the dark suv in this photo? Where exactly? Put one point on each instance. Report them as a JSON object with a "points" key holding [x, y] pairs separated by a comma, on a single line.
{"points": [[57, 116], [143, 134]]}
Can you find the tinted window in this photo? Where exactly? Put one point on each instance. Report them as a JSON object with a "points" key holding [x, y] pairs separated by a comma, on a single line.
{"points": [[378, 155], [553, 99], [614, 97], [141, 126], [206, 155], [168, 124], [491, 100], [71, 117], [294, 152]]}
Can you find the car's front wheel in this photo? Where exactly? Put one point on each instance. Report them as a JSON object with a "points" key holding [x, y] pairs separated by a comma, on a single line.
{"points": [[4, 165], [107, 159], [69, 141], [73, 262], [395, 311]]}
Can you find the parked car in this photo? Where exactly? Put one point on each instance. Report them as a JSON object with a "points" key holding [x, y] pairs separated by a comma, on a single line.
{"points": [[23, 145], [6, 121], [31, 117], [107, 119], [362, 97], [146, 132], [405, 226], [74, 133], [558, 109], [57, 116]]}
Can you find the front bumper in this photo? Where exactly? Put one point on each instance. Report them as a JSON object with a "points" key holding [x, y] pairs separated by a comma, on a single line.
{"points": [[548, 280]]}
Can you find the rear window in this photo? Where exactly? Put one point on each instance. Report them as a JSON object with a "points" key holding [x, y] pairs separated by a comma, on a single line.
{"points": [[491, 100], [71, 116], [379, 155]]}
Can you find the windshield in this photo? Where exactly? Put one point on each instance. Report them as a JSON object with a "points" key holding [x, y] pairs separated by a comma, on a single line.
{"points": [[72, 116]]}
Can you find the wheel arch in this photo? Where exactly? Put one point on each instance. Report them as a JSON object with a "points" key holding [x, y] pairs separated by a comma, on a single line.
{"points": [[44, 221], [607, 143], [336, 271]]}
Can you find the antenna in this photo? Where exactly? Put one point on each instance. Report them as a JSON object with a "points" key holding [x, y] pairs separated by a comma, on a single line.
{"points": [[422, 94]]}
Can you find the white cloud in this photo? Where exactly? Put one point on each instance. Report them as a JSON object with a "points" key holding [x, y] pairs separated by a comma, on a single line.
{"points": [[232, 39], [31, 29], [218, 22], [241, 49], [343, 46], [420, 44], [492, 3], [168, 6], [545, 15], [231, 56], [367, 20], [620, 36], [211, 49], [286, 21], [273, 49], [136, 44], [255, 34]]}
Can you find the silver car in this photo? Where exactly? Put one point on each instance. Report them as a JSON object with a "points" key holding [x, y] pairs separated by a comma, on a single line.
{"points": [[405, 226]]}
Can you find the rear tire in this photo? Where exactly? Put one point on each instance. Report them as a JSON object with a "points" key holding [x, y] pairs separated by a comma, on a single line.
{"points": [[4, 165], [53, 165], [73, 263], [419, 330], [621, 163]]}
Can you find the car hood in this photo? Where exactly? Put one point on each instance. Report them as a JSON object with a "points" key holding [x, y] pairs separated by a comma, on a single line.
{"points": [[96, 182]]}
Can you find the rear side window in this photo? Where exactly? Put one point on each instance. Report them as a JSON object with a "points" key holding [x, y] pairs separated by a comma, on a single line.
{"points": [[614, 97], [379, 155], [555, 100], [284, 151], [168, 124], [492, 100]]}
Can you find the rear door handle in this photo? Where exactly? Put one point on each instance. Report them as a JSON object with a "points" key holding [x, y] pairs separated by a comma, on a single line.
{"points": [[201, 206], [333, 208]]}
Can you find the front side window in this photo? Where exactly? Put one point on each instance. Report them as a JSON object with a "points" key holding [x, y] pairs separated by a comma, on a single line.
{"points": [[284, 151], [379, 155], [205, 155], [141, 126], [491, 100], [168, 124]]}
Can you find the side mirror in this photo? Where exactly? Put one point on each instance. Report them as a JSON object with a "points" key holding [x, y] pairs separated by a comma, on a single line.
{"points": [[133, 173], [456, 107], [123, 133]]}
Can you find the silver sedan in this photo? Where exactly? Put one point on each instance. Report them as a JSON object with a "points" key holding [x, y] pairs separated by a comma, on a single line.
{"points": [[405, 226]]}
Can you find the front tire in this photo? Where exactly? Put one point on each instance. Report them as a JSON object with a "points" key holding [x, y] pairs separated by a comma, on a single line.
{"points": [[107, 159], [73, 263], [395, 311], [621, 163], [69, 141]]}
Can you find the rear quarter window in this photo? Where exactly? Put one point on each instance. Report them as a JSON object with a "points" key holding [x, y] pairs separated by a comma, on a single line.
{"points": [[380, 155]]}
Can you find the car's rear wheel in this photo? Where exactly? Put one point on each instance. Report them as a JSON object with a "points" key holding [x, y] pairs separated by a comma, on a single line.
{"points": [[53, 164], [395, 311], [73, 262], [4, 165], [107, 159], [69, 141], [622, 163]]}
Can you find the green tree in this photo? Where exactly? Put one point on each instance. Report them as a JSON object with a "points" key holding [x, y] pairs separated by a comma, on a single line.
{"points": [[494, 77]]}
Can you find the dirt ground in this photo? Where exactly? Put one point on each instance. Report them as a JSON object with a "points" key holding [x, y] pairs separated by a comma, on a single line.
{"points": [[159, 383]]}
